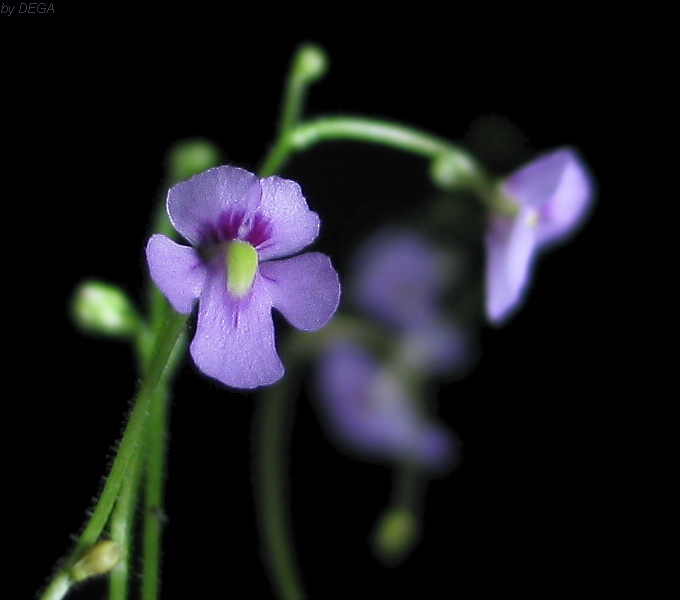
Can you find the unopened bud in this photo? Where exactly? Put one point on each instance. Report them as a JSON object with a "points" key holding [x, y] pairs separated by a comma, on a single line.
{"points": [[104, 309], [450, 171], [99, 559], [190, 157], [395, 535], [310, 64]]}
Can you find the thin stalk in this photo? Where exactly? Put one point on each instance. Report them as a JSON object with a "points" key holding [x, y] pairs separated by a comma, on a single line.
{"points": [[153, 495], [307, 66], [122, 519], [374, 131], [272, 435], [129, 446]]}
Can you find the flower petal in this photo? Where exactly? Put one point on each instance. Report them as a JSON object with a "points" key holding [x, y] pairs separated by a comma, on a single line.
{"points": [[305, 289], [201, 200], [536, 182], [369, 411], [176, 270], [399, 278], [569, 203], [293, 225], [234, 340], [510, 248], [437, 346], [558, 186]]}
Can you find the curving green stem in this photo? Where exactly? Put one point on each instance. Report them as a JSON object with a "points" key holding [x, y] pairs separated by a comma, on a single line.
{"points": [[374, 131], [125, 457]]}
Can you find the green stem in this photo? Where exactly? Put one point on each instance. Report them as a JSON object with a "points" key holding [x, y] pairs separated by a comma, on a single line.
{"points": [[155, 477], [459, 166], [271, 437], [122, 519], [374, 131], [308, 65], [153, 495], [154, 456], [125, 456]]}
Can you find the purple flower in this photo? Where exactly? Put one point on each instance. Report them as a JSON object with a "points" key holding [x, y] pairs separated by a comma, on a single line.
{"points": [[400, 278], [236, 224], [370, 412], [552, 195]]}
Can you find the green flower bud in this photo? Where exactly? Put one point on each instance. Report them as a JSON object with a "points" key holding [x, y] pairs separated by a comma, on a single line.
{"points": [[310, 64], [99, 559], [451, 171], [190, 157], [395, 535], [104, 309]]}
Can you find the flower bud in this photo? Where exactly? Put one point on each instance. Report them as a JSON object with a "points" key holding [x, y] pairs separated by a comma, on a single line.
{"points": [[310, 64], [450, 171], [104, 309], [99, 559], [395, 535], [190, 157]]}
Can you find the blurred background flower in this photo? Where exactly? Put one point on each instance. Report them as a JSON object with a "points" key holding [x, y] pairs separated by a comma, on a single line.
{"points": [[369, 411]]}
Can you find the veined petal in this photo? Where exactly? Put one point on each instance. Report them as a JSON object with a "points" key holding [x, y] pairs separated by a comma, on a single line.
{"points": [[293, 225], [305, 289], [510, 248], [201, 200], [234, 340], [176, 270]]}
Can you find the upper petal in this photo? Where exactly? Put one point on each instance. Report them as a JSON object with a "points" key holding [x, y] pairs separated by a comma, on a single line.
{"points": [[177, 271], [510, 249], [234, 340], [293, 225], [201, 200], [305, 289], [558, 186], [535, 183], [569, 203]]}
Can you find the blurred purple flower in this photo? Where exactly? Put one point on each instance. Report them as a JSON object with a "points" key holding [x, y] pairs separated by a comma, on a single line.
{"points": [[236, 223], [552, 194], [399, 279], [370, 412]]}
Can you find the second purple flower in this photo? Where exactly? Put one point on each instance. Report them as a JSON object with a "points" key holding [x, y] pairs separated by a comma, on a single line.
{"points": [[237, 224]]}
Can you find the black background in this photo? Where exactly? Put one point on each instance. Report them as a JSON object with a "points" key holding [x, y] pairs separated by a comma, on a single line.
{"points": [[93, 98]]}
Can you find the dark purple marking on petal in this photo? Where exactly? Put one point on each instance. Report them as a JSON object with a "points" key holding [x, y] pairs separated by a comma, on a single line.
{"points": [[260, 231], [236, 225]]}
